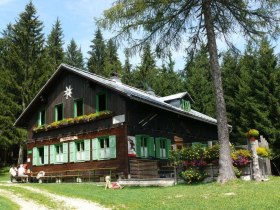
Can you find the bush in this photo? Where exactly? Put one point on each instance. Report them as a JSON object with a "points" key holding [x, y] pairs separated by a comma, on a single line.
{"points": [[241, 157], [193, 175], [211, 154], [263, 152]]}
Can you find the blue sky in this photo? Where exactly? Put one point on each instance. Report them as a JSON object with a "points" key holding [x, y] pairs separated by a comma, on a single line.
{"points": [[77, 19]]}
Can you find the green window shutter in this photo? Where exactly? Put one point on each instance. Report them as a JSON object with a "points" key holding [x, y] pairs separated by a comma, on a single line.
{"points": [[168, 147], [157, 147], [138, 145], [35, 156], [75, 108], [95, 149], [65, 152], [73, 152], [151, 147], [87, 149], [52, 154], [112, 143], [46, 154]]}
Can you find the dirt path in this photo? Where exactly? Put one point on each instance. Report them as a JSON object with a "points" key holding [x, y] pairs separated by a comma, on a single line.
{"points": [[66, 202], [22, 202]]}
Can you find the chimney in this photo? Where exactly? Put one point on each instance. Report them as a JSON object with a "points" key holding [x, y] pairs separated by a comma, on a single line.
{"points": [[150, 91], [115, 77]]}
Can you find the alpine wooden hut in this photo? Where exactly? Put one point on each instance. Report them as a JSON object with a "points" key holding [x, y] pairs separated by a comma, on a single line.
{"points": [[80, 121]]}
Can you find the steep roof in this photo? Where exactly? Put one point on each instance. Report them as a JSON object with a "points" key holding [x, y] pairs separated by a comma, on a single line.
{"points": [[130, 92]]}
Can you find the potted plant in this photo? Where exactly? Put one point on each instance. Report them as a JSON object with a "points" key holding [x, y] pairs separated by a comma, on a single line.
{"points": [[252, 134]]}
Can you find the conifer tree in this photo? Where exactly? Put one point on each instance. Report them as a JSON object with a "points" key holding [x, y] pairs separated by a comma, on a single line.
{"points": [[97, 54], [26, 59], [112, 63], [171, 23], [55, 45], [198, 82], [74, 56]]}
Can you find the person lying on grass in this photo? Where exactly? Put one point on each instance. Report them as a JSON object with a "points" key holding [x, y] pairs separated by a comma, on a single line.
{"points": [[111, 185]]}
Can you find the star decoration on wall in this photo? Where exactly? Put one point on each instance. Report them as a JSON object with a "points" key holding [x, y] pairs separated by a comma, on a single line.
{"points": [[68, 92]]}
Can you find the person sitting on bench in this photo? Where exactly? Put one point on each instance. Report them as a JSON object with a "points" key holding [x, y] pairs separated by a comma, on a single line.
{"points": [[22, 173], [13, 172]]}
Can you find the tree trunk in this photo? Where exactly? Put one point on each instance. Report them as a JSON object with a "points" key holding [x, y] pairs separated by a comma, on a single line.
{"points": [[256, 167], [226, 172], [20, 154]]}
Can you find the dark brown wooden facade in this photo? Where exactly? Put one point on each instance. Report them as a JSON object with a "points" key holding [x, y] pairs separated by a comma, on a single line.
{"points": [[139, 119]]}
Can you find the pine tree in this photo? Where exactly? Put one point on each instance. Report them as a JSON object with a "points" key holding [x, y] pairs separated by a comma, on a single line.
{"points": [[198, 82], [55, 45], [97, 54], [74, 56]]}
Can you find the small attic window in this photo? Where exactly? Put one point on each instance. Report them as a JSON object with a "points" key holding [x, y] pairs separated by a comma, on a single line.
{"points": [[58, 112], [101, 102], [185, 105]]}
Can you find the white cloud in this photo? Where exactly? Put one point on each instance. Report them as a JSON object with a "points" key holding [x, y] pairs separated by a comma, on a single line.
{"points": [[3, 2]]}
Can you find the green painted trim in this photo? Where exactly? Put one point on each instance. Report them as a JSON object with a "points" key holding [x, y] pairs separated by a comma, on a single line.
{"points": [[40, 119], [97, 101], [55, 111], [75, 107]]}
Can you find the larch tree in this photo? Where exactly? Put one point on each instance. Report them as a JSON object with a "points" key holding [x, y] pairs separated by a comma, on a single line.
{"points": [[172, 23], [73, 55]]}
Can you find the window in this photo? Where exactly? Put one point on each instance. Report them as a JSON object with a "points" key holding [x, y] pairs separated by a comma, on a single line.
{"points": [[40, 155], [80, 150], [80, 154], [42, 118], [59, 153], [163, 146], [185, 105], [101, 102], [104, 148], [78, 107], [58, 112], [145, 147]]}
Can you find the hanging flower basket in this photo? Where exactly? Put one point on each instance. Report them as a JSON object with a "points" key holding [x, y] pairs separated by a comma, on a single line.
{"points": [[252, 134]]}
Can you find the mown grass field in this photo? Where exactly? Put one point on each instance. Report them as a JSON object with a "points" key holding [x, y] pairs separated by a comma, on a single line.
{"points": [[7, 204], [234, 195]]}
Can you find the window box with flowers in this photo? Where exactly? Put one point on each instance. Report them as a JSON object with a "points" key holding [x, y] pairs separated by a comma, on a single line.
{"points": [[71, 121]]}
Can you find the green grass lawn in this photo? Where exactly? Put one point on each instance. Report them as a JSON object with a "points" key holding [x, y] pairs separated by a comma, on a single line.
{"points": [[7, 204], [234, 195], [4, 174]]}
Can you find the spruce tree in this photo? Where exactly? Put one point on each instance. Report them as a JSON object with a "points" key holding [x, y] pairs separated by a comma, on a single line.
{"points": [[74, 56], [97, 54], [198, 82], [112, 63], [26, 59], [231, 80], [55, 46]]}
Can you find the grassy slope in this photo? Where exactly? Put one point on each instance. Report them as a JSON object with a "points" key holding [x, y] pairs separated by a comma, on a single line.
{"points": [[7, 204], [234, 195]]}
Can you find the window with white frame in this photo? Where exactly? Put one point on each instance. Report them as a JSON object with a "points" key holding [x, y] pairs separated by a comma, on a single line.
{"points": [[144, 147], [80, 151], [59, 153], [104, 148], [162, 148]]}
